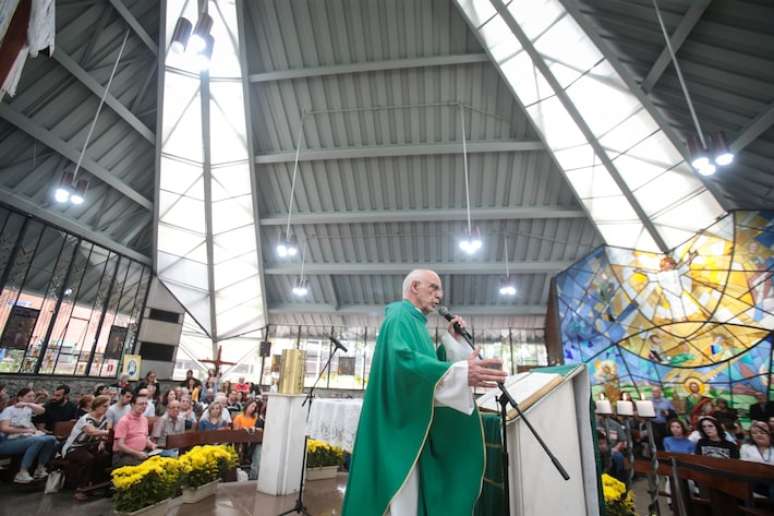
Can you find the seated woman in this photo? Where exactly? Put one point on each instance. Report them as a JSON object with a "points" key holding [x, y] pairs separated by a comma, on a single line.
{"points": [[678, 441], [131, 435], [760, 450], [168, 396], [249, 420], [84, 405], [714, 440], [87, 458], [213, 419], [18, 436]]}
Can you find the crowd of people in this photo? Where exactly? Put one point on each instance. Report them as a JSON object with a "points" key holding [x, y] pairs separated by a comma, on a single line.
{"points": [[118, 414], [712, 429]]}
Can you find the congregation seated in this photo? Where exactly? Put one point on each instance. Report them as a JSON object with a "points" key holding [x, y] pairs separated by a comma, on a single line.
{"points": [[84, 405], [192, 384], [170, 423], [170, 395], [131, 435], [18, 436], [715, 441], [120, 408], [187, 412], [213, 418], [57, 408], [677, 441], [762, 409], [86, 455], [148, 393], [233, 403]]}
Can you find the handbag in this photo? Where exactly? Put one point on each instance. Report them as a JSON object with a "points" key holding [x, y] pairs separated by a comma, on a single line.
{"points": [[54, 481]]}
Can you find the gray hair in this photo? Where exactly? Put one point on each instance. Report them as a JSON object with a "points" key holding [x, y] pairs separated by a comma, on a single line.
{"points": [[411, 277]]}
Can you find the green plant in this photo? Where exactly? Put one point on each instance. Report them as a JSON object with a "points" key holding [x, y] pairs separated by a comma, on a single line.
{"points": [[154, 480], [320, 454]]}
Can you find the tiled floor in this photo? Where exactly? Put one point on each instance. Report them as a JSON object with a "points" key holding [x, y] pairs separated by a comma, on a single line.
{"points": [[322, 498]]}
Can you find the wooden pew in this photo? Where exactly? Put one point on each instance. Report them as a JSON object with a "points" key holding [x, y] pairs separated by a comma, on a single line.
{"points": [[187, 440], [726, 485]]}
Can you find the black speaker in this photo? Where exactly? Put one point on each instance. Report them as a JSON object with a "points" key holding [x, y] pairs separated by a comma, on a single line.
{"points": [[265, 349]]}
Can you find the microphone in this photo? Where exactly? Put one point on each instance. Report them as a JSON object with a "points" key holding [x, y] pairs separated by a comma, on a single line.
{"points": [[446, 314], [338, 344]]}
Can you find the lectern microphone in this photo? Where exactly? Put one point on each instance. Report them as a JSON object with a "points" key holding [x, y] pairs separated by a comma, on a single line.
{"points": [[338, 344]]}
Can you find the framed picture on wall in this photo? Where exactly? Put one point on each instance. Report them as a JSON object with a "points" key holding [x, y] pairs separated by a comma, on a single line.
{"points": [[131, 367], [115, 342], [19, 328]]}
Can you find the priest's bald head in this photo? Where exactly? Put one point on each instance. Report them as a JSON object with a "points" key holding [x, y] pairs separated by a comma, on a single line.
{"points": [[422, 288]]}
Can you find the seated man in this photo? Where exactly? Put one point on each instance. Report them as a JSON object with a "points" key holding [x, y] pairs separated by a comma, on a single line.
{"points": [[170, 423], [131, 435], [120, 408], [187, 411], [58, 408], [233, 405]]}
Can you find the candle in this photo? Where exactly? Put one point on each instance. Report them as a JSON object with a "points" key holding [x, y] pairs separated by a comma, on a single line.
{"points": [[645, 408], [624, 407], [604, 407]]}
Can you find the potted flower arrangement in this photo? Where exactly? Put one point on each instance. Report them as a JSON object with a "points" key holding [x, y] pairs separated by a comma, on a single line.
{"points": [[322, 460], [618, 501], [147, 488], [202, 467]]}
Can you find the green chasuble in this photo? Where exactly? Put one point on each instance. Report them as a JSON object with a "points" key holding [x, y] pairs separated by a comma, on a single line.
{"points": [[399, 427]]}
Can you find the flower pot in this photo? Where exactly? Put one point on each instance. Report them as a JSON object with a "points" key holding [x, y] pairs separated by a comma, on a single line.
{"points": [[195, 495], [157, 509], [321, 472]]}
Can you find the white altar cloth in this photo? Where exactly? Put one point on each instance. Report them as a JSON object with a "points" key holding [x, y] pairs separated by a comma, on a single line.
{"points": [[335, 421]]}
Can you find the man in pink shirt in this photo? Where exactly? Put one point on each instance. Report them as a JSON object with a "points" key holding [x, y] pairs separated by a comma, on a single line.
{"points": [[131, 435]]}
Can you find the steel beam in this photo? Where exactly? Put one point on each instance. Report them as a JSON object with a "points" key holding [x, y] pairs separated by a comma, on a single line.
{"points": [[87, 80], [389, 151], [536, 267], [135, 25], [73, 226], [469, 310], [754, 129], [373, 66], [62, 147], [563, 97], [377, 216], [689, 21], [241, 28]]}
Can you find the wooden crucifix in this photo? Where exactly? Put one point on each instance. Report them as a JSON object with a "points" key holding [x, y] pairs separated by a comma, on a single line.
{"points": [[218, 362]]}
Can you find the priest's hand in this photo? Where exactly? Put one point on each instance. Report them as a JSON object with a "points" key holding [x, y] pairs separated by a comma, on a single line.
{"points": [[484, 373], [456, 320]]}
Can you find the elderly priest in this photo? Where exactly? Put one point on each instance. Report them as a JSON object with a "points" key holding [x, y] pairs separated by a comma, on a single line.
{"points": [[419, 448]]}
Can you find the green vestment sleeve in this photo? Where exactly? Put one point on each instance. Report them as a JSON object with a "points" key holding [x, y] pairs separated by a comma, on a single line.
{"points": [[400, 428]]}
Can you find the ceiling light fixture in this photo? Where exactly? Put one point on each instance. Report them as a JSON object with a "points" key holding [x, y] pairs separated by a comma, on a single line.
{"points": [[301, 288], [722, 155], [699, 150], [287, 247], [180, 35], [201, 60], [198, 41], [507, 286], [471, 242]]}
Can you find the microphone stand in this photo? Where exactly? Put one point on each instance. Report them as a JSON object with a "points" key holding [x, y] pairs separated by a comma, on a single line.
{"points": [[505, 399], [299, 507]]}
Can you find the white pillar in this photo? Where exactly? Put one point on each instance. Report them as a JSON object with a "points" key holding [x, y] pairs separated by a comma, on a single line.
{"points": [[283, 444]]}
